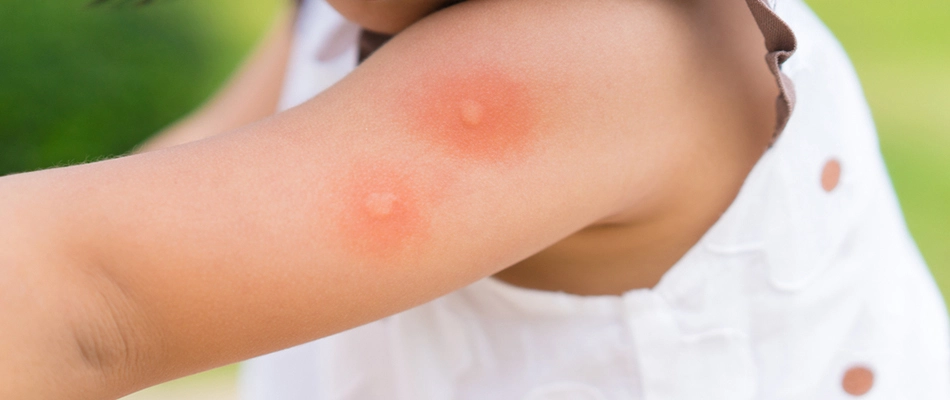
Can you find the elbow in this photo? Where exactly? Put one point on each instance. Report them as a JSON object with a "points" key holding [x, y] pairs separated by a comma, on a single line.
{"points": [[111, 338], [107, 340], [69, 330]]}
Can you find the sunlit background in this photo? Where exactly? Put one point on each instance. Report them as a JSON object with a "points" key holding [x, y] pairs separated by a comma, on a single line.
{"points": [[79, 84]]}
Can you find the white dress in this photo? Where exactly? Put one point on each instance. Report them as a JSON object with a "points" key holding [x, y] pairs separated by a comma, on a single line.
{"points": [[797, 292]]}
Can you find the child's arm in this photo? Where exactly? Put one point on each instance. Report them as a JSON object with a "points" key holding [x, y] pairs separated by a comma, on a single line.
{"points": [[250, 95], [472, 140]]}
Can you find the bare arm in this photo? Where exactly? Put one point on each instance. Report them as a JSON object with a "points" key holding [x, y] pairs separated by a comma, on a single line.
{"points": [[460, 148], [250, 95]]}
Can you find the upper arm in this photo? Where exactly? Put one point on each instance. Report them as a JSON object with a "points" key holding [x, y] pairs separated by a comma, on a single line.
{"points": [[472, 140]]}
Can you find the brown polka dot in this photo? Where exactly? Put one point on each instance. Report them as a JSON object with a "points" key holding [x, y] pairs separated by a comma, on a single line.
{"points": [[857, 381], [830, 175]]}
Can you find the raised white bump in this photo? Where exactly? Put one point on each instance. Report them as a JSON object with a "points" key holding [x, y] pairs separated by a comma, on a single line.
{"points": [[380, 204]]}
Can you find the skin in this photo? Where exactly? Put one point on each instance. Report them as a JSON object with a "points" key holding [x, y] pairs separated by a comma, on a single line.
{"points": [[485, 115], [120, 274], [385, 212]]}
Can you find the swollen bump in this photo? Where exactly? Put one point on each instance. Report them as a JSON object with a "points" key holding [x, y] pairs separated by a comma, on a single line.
{"points": [[380, 205], [384, 210], [471, 112], [479, 113]]}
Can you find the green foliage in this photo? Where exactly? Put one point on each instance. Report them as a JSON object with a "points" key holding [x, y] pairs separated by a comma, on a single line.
{"points": [[80, 83]]}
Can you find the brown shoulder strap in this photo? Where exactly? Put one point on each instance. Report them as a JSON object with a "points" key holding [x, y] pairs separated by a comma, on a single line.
{"points": [[780, 43]]}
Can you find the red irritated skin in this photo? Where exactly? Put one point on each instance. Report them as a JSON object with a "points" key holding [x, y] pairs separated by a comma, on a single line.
{"points": [[384, 209], [476, 113], [469, 117]]}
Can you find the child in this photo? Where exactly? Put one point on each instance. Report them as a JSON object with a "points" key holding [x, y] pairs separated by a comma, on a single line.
{"points": [[512, 199]]}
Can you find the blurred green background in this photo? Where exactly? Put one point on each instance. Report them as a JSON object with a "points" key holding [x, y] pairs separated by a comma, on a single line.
{"points": [[79, 83]]}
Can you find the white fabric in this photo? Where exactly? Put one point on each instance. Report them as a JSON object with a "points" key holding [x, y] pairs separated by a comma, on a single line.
{"points": [[324, 51], [789, 289]]}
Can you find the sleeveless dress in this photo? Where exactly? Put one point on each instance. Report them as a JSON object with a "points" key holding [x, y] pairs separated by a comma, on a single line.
{"points": [[808, 287]]}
